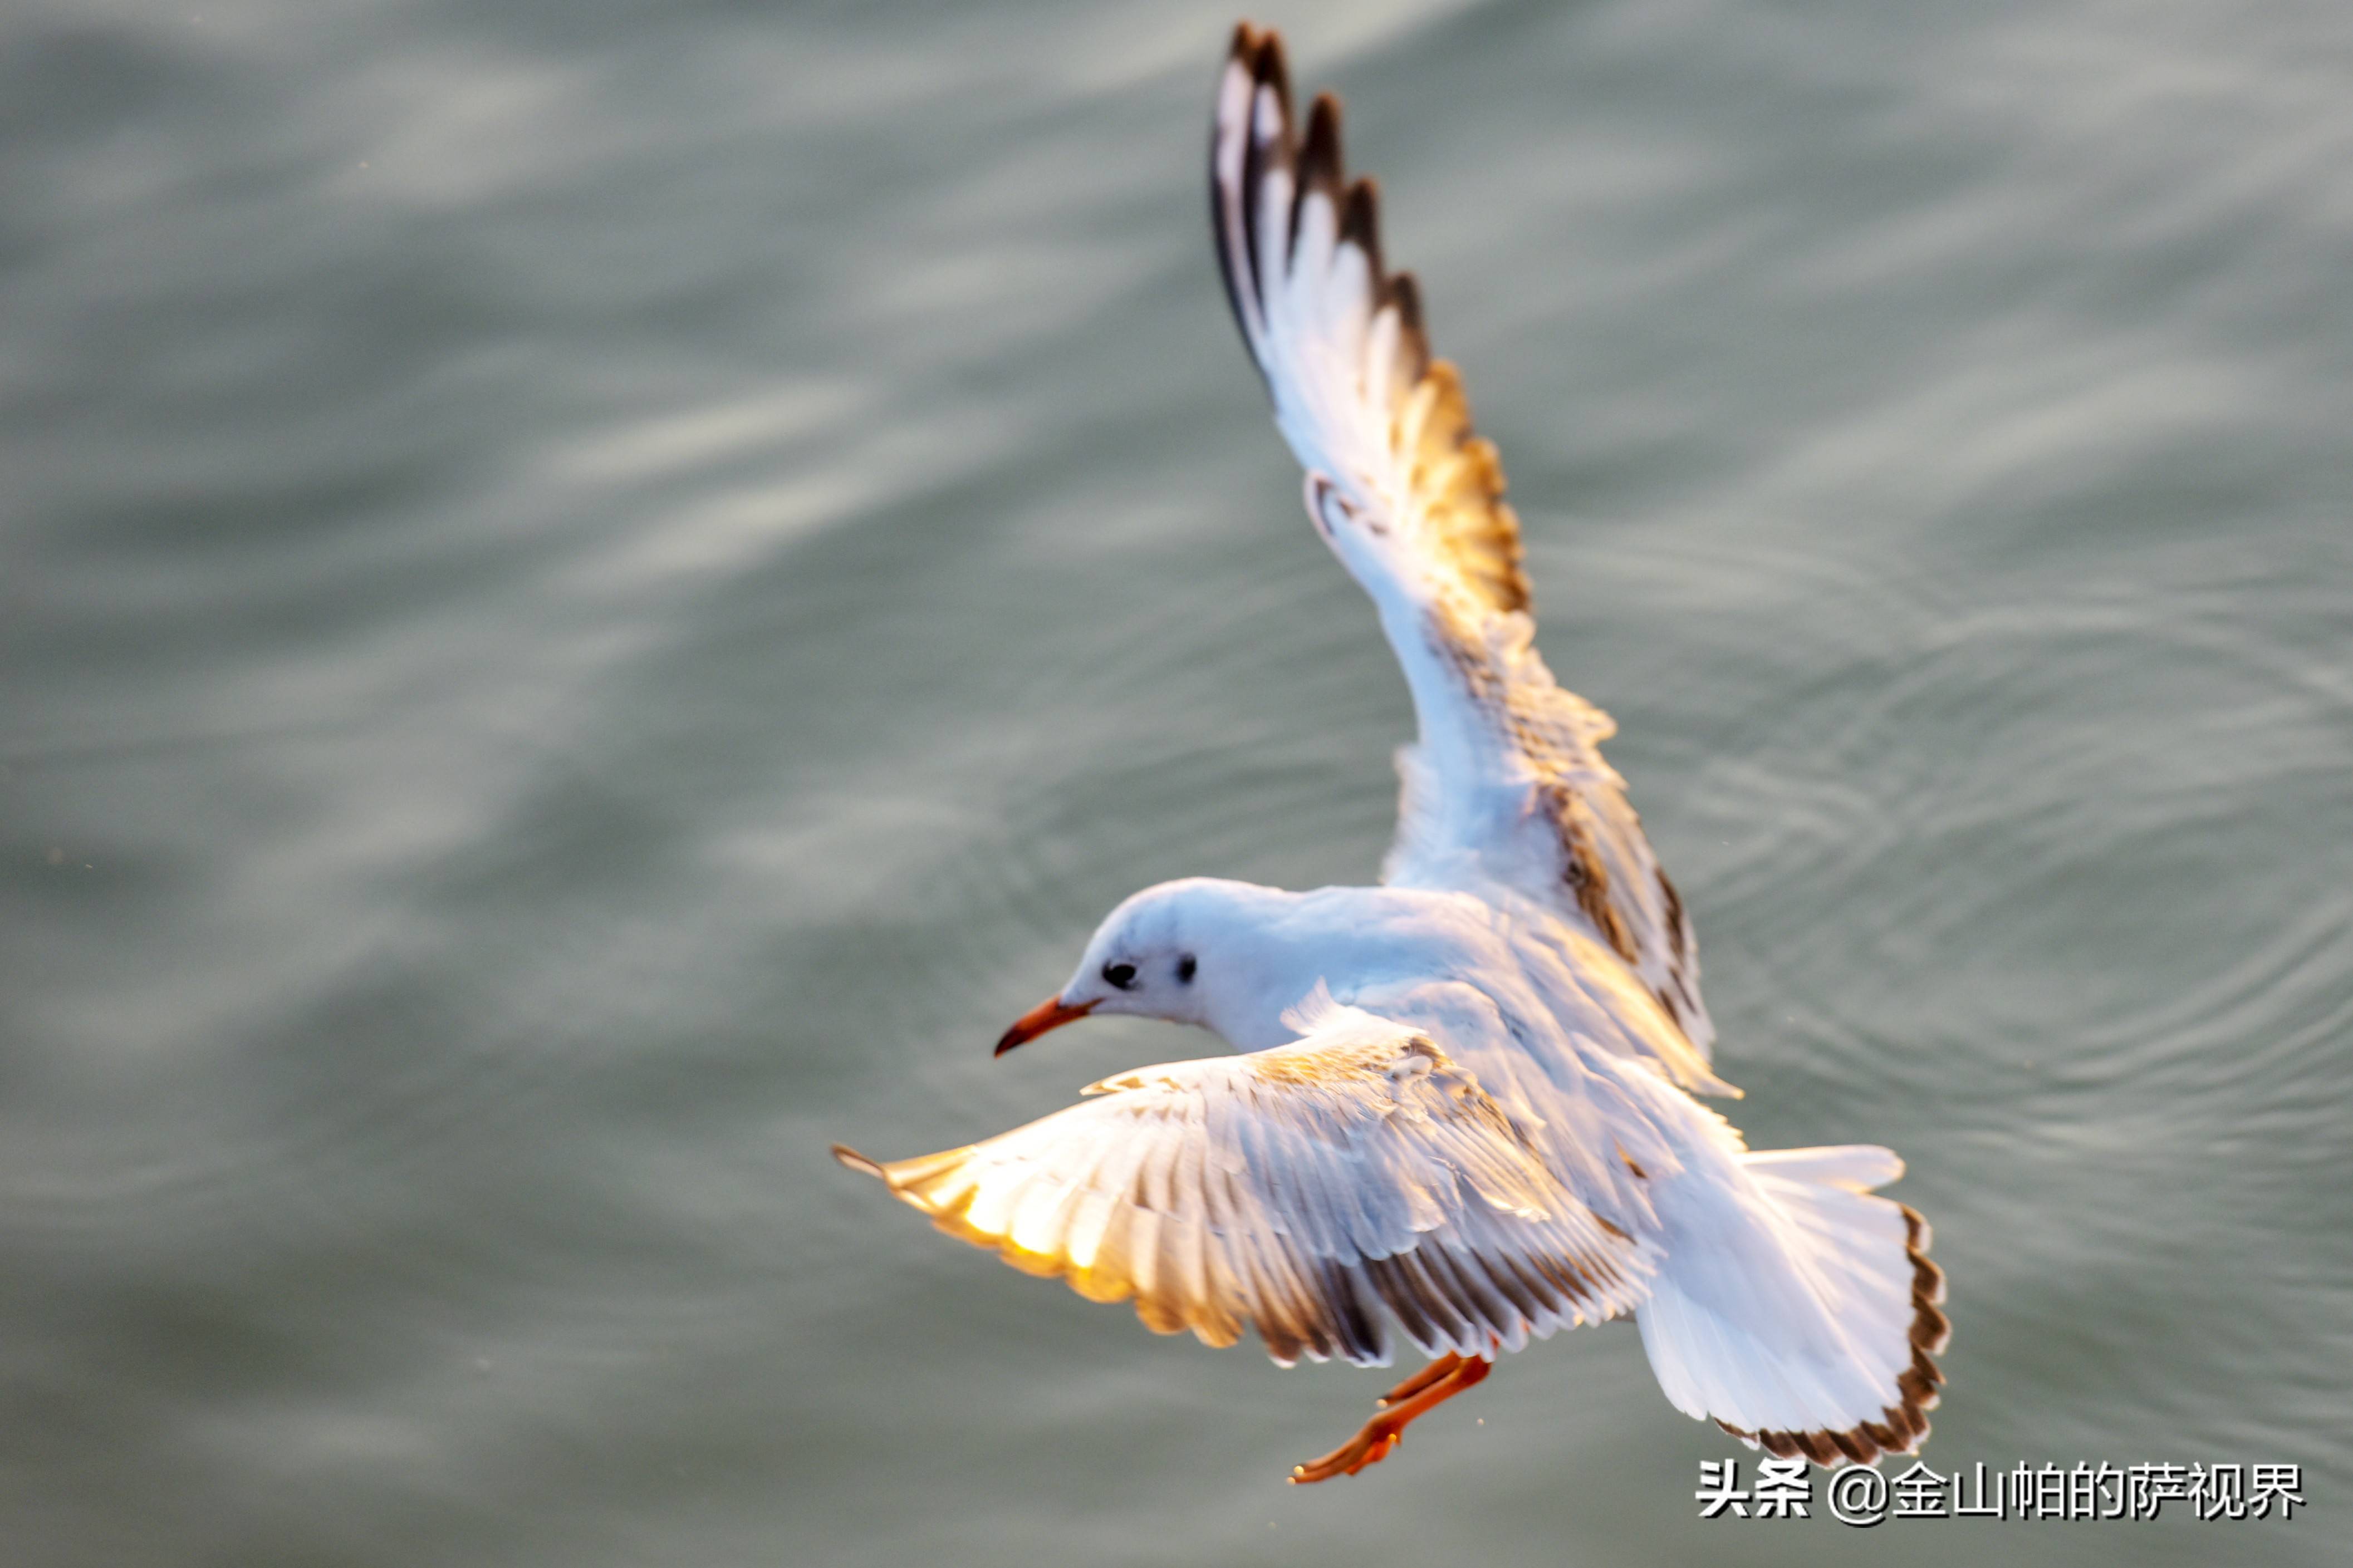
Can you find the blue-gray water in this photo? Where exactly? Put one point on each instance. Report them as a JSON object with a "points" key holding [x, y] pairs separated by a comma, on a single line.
{"points": [[594, 597]]}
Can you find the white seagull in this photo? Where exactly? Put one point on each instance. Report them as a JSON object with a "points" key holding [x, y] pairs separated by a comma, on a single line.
{"points": [[1462, 1113]]}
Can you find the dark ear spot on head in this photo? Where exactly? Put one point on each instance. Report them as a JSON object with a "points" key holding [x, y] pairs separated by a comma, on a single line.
{"points": [[1119, 974], [1187, 967]]}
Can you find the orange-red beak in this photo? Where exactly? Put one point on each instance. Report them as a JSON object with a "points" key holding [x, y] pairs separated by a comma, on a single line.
{"points": [[1050, 1014]]}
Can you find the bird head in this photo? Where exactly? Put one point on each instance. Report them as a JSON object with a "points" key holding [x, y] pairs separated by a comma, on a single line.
{"points": [[1185, 951]]}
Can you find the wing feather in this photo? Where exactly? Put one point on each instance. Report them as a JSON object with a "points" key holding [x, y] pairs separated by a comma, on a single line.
{"points": [[1507, 784], [1287, 1191]]}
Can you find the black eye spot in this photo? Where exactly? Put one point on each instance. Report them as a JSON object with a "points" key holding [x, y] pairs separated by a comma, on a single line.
{"points": [[1119, 974], [1187, 967]]}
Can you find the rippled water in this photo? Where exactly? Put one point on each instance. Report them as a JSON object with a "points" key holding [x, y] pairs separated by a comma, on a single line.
{"points": [[596, 597]]}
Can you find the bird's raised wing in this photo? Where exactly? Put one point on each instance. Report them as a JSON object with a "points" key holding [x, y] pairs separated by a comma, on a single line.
{"points": [[1311, 1192], [1507, 784]]}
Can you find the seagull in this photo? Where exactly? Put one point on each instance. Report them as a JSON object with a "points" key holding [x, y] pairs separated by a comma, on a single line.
{"points": [[1462, 1112]]}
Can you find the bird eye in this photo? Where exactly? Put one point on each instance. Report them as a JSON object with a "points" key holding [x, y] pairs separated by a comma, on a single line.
{"points": [[1119, 974], [1187, 967]]}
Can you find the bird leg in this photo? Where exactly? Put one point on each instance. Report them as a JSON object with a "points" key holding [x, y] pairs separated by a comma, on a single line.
{"points": [[1436, 1384], [1442, 1367]]}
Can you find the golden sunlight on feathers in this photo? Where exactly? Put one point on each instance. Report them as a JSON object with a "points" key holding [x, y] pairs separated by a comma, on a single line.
{"points": [[1300, 251], [1412, 500], [1495, 1137], [1297, 1190]]}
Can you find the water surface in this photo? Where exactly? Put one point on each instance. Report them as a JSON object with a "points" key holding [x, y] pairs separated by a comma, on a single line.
{"points": [[596, 597]]}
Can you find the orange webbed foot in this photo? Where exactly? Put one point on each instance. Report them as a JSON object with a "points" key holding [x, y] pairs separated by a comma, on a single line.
{"points": [[1436, 1384]]}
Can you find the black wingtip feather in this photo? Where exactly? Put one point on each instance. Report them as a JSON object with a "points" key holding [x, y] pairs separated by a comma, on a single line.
{"points": [[1269, 70], [1360, 222], [1405, 294], [1317, 165], [1319, 157], [1242, 52]]}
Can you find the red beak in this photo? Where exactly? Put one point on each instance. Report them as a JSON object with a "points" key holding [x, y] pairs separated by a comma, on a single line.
{"points": [[1050, 1014]]}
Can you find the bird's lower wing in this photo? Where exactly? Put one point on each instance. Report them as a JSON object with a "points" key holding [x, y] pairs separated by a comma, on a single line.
{"points": [[1507, 784], [1316, 1192]]}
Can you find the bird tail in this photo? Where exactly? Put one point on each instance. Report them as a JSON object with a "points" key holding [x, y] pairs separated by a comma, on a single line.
{"points": [[1797, 1309]]}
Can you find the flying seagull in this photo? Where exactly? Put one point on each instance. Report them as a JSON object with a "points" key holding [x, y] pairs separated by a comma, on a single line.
{"points": [[1462, 1111]]}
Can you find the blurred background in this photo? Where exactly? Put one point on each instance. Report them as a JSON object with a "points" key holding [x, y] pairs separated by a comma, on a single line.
{"points": [[593, 597]]}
